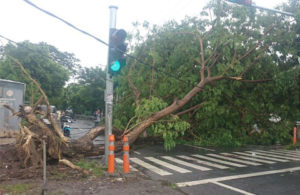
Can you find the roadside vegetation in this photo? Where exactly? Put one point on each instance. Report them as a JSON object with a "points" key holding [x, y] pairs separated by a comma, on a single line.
{"points": [[15, 189], [92, 166]]}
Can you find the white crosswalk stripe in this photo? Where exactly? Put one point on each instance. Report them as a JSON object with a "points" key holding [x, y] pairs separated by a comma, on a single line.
{"points": [[288, 151], [212, 160], [150, 167], [293, 152], [260, 156], [218, 161], [234, 159], [186, 163], [251, 158], [203, 162], [276, 152], [273, 155], [168, 165], [293, 157], [120, 161]]}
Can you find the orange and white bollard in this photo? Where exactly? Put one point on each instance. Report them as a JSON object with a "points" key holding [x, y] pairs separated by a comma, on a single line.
{"points": [[111, 154], [125, 155], [295, 136]]}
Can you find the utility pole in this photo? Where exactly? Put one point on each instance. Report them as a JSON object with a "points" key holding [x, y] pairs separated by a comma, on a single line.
{"points": [[249, 3], [109, 96], [274, 10]]}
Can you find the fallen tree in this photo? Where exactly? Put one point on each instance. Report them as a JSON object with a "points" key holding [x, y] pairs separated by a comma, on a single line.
{"points": [[222, 59], [34, 129]]}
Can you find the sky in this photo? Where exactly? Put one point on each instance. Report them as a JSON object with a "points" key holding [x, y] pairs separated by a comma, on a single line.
{"points": [[19, 21]]}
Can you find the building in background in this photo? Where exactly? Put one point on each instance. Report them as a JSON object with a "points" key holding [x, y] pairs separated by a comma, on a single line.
{"points": [[13, 94]]}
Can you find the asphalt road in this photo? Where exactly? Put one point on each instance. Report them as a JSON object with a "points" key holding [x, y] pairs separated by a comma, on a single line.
{"points": [[81, 127], [254, 170], [196, 170]]}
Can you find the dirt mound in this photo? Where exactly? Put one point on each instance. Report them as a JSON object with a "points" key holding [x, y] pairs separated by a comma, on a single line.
{"points": [[10, 166]]}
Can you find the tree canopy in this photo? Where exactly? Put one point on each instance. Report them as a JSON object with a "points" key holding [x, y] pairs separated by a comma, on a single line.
{"points": [[47, 65], [87, 94], [244, 63]]}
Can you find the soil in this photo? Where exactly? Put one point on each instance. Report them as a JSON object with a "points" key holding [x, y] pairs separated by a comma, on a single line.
{"points": [[15, 179]]}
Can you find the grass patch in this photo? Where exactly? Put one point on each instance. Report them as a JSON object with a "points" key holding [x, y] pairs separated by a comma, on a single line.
{"points": [[15, 189], [92, 166], [173, 186]]}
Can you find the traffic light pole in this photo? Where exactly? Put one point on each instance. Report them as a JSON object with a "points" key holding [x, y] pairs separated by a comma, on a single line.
{"points": [[249, 3], [109, 85], [274, 10]]}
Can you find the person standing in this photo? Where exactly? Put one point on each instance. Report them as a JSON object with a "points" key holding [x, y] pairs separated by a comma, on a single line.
{"points": [[97, 116]]}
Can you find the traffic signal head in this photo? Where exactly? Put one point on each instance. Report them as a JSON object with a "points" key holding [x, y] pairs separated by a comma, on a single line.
{"points": [[242, 2], [117, 49]]}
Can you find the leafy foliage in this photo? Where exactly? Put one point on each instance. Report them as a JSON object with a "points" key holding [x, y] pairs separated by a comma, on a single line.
{"points": [[87, 94], [169, 128], [37, 60], [253, 51]]}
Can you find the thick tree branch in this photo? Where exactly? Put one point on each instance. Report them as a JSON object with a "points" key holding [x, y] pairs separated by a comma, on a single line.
{"points": [[152, 73], [53, 123], [213, 53], [202, 74], [257, 44], [255, 60], [248, 81], [135, 90], [190, 109]]}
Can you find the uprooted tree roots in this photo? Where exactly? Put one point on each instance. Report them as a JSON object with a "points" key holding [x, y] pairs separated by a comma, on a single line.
{"points": [[33, 130]]}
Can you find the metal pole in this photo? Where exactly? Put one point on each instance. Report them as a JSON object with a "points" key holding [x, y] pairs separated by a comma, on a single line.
{"points": [[274, 10], [44, 157], [267, 9], [44, 164], [109, 86]]}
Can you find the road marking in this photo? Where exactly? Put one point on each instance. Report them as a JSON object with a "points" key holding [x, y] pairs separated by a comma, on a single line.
{"points": [[262, 157], [251, 158], [168, 165], [120, 161], [277, 152], [186, 163], [199, 147], [232, 188], [203, 162], [150, 167], [288, 151], [218, 179], [233, 159], [284, 150], [136, 152], [273, 155], [219, 161], [294, 157]]}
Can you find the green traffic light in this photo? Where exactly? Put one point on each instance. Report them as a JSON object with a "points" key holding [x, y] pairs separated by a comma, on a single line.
{"points": [[116, 66]]}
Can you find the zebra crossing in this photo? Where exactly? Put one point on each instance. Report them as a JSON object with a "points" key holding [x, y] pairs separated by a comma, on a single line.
{"points": [[184, 164]]}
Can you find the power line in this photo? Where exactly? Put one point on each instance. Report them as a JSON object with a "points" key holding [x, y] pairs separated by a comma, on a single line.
{"points": [[28, 48], [22, 45], [9, 40], [100, 40], [66, 22]]}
